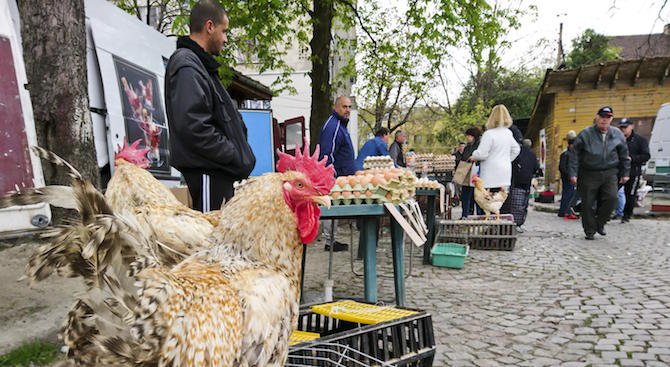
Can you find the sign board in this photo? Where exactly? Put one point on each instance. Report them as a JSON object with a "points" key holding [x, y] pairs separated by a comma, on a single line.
{"points": [[259, 135], [543, 150]]}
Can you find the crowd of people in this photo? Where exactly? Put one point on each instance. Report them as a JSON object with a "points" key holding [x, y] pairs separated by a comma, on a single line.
{"points": [[600, 169]]}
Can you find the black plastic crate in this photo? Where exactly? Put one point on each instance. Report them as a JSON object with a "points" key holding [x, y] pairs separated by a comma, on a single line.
{"points": [[408, 341], [478, 233]]}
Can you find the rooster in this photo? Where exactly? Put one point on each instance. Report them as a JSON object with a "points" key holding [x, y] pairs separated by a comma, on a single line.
{"points": [[232, 304], [489, 202]]}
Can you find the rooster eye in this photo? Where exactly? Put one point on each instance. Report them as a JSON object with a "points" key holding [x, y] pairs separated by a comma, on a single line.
{"points": [[300, 185]]}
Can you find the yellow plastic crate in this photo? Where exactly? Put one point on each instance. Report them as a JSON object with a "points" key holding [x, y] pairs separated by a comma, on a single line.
{"points": [[361, 313], [298, 337]]}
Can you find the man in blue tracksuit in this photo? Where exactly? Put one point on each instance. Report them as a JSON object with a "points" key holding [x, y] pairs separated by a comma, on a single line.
{"points": [[336, 144], [377, 146]]}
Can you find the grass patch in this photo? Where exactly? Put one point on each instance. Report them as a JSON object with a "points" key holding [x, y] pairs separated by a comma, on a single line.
{"points": [[35, 353]]}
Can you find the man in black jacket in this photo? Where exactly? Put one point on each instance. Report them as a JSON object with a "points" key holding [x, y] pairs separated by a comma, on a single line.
{"points": [[601, 160], [638, 150], [208, 139]]}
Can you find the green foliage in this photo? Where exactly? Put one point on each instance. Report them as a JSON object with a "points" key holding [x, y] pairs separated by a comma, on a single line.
{"points": [[591, 48], [516, 89], [35, 353], [454, 126]]}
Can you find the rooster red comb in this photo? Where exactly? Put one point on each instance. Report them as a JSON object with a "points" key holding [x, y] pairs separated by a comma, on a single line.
{"points": [[133, 155], [322, 176]]}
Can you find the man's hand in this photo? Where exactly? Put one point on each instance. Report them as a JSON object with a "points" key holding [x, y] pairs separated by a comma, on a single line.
{"points": [[471, 159], [573, 180], [623, 180]]}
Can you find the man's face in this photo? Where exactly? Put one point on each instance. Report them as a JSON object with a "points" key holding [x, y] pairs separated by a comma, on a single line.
{"points": [[385, 138], [401, 138], [461, 147], [217, 35], [343, 107], [603, 122], [627, 130]]}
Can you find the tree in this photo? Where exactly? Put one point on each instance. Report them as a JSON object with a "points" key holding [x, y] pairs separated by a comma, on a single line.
{"points": [[590, 48], [55, 58]]}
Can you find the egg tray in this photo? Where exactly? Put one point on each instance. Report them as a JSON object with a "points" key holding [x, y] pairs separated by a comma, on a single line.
{"points": [[393, 192]]}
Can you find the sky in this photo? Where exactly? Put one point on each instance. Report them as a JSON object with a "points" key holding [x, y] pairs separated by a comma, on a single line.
{"points": [[536, 41]]}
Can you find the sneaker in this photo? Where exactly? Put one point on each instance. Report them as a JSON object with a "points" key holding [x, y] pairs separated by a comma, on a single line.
{"points": [[337, 247], [601, 231], [589, 237], [625, 220], [571, 217], [520, 229]]}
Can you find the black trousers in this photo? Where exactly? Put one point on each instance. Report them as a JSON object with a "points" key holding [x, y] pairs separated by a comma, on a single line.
{"points": [[208, 189], [631, 196], [597, 187]]}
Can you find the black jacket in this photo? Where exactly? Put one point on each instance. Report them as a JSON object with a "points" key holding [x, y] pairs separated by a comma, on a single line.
{"points": [[397, 154], [593, 154], [206, 130], [638, 149], [564, 163], [523, 168], [469, 149]]}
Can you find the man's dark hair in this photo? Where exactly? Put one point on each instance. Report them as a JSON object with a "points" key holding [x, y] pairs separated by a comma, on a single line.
{"points": [[382, 131], [473, 131], [203, 11]]}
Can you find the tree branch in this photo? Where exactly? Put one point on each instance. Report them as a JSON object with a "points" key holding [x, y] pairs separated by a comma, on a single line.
{"points": [[395, 103], [360, 21], [409, 111]]}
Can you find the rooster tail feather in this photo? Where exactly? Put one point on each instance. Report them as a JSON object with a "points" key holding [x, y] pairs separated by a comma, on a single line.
{"points": [[56, 195], [55, 159]]}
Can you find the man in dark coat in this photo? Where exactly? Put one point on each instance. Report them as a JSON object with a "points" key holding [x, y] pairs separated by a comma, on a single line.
{"points": [[395, 149], [524, 167], [568, 189], [601, 161], [638, 150], [208, 139]]}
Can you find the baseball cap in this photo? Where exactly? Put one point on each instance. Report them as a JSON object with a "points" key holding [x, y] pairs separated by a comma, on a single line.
{"points": [[626, 122], [606, 111]]}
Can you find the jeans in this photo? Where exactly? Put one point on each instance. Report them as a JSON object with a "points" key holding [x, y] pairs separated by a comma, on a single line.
{"points": [[621, 202], [468, 201], [566, 196]]}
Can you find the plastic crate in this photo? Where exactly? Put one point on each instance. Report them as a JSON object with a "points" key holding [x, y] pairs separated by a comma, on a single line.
{"points": [[478, 233], [449, 255], [407, 341]]}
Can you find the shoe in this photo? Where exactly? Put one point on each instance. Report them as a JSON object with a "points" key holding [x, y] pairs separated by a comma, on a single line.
{"points": [[561, 215], [589, 237], [601, 231], [615, 217], [571, 217], [520, 229], [625, 220], [337, 247]]}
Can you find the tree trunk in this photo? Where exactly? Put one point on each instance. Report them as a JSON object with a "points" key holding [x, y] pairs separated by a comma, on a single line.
{"points": [[322, 20], [54, 50]]}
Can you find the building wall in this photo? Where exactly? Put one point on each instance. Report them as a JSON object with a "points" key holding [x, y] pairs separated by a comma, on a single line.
{"points": [[576, 110]]}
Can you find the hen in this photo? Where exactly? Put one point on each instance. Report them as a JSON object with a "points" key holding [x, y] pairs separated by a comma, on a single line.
{"points": [[234, 304], [489, 202]]}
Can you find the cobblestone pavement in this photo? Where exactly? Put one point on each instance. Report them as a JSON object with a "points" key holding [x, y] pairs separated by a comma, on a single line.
{"points": [[556, 300]]}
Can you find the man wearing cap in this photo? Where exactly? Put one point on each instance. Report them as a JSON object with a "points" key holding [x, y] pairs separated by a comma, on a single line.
{"points": [[638, 150], [601, 161]]}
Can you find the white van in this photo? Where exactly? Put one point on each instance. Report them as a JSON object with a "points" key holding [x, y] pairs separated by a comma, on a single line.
{"points": [[658, 167], [659, 145]]}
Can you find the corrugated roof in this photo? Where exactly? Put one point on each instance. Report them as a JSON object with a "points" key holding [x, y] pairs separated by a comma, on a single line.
{"points": [[644, 45]]}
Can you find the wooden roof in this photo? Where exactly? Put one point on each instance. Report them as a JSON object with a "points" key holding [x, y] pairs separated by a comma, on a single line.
{"points": [[603, 75], [635, 47], [243, 87]]}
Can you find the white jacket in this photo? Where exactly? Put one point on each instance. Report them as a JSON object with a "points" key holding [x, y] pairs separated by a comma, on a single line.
{"points": [[497, 149]]}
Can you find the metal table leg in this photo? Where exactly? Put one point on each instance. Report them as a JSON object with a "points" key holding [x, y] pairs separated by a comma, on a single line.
{"points": [[369, 243], [430, 223], [397, 239]]}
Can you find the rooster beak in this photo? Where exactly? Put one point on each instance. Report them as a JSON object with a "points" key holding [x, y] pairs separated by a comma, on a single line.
{"points": [[322, 200]]}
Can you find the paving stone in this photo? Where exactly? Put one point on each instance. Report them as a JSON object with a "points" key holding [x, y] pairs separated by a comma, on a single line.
{"points": [[631, 362]]}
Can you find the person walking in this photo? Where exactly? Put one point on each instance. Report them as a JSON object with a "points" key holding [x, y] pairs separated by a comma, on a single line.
{"points": [[497, 150], [638, 151], [208, 139], [395, 149], [601, 160], [335, 143], [377, 146], [472, 135], [568, 189]]}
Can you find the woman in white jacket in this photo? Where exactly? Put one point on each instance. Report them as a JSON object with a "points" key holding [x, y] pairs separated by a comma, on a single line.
{"points": [[497, 149]]}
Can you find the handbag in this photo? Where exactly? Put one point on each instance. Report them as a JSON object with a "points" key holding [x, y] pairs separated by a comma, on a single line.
{"points": [[463, 173]]}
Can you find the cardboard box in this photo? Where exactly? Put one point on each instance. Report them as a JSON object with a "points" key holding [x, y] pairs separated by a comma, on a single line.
{"points": [[182, 194]]}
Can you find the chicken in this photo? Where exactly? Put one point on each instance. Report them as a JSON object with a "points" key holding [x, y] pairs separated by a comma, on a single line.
{"points": [[233, 304], [490, 203]]}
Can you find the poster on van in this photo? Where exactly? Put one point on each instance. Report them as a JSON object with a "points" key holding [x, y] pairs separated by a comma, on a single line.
{"points": [[143, 113]]}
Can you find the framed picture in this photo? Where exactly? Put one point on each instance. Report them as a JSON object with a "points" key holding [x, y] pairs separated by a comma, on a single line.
{"points": [[143, 113]]}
